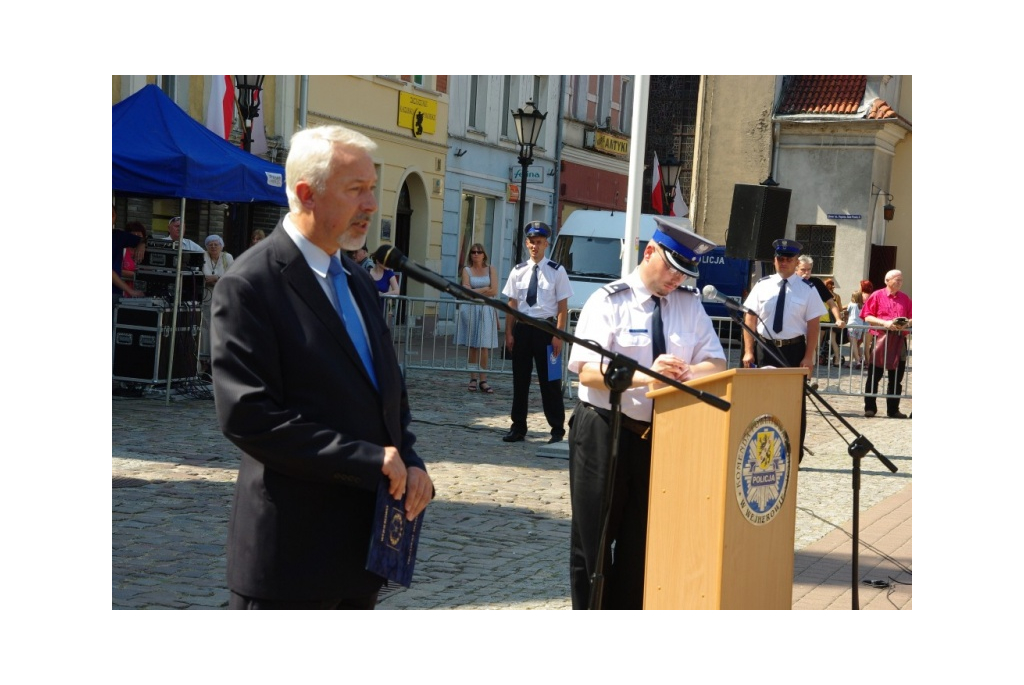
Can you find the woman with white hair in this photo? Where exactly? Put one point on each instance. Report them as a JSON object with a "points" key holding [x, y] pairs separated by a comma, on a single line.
{"points": [[215, 263]]}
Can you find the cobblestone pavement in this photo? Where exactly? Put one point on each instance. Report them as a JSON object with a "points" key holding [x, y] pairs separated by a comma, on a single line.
{"points": [[495, 537]]}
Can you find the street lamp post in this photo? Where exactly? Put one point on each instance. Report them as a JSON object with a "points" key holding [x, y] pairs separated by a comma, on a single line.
{"points": [[248, 100], [249, 88], [528, 122], [669, 180]]}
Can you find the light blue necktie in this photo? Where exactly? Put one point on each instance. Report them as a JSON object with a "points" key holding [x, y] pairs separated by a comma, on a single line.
{"points": [[347, 310]]}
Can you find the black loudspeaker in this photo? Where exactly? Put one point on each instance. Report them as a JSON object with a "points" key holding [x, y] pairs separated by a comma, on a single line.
{"points": [[759, 216]]}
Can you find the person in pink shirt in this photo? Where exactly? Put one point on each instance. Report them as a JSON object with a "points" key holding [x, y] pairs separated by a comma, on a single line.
{"points": [[890, 309]]}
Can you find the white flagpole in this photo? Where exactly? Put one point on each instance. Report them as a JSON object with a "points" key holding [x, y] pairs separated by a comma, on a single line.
{"points": [[634, 190]]}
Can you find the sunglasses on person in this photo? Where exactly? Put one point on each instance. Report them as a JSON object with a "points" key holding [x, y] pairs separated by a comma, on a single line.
{"points": [[476, 252]]}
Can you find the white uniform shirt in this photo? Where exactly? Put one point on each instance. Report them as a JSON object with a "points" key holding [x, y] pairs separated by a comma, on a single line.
{"points": [[552, 287], [621, 323], [802, 305]]}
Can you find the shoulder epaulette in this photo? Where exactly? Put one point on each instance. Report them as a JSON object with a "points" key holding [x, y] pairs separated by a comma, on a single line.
{"points": [[520, 266], [688, 289], [763, 279], [810, 284], [616, 287], [554, 265]]}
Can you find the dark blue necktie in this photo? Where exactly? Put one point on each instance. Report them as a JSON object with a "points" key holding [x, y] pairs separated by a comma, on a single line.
{"points": [[349, 315], [657, 329], [531, 292], [777, 324]]}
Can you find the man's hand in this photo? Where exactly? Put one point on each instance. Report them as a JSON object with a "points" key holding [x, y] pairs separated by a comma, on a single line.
{"points": [[556, 346], [748, 360], [421, 489], [394, 469]]}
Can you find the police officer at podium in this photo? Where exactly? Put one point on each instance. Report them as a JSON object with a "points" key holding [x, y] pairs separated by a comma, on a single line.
{"points": [[652, 318]]}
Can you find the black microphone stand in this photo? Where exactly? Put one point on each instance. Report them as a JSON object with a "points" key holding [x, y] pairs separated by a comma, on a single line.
{"points": [[857, 449], [618, 377]]}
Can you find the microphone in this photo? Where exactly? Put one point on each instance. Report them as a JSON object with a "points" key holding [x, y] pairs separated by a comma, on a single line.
{"points": [[710, 292], [391, 257]]}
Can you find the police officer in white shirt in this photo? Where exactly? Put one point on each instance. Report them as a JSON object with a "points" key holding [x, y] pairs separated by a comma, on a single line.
{"points": [[539, 288], [622, 318], [788, 331]]}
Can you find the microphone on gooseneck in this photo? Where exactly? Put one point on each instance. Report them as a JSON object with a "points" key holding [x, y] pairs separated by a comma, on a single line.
{"points": [[391, 257], [710, 292]]}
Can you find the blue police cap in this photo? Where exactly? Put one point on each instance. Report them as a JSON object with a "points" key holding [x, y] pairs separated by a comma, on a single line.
{"points": [[784, 247], [682, 246], [538, 228]]}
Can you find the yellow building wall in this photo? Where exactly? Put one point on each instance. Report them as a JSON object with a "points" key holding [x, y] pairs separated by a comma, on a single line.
{"points": [[734, 145], [370, 105]]}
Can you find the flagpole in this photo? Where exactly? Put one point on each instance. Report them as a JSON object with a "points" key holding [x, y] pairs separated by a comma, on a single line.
{"points": [[634, 189]]}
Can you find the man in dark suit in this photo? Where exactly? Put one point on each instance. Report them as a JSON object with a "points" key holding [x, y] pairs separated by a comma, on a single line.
{"points": [[307, 385]]}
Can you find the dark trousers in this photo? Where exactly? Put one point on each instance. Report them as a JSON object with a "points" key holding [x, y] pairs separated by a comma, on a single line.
{"points": [[530, 350], [793, 354], [623, 568], [237, 601], [894, 387]]}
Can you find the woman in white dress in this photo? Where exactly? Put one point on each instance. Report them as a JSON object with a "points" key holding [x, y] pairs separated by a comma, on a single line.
{"points": [[478, 329], [215, 263]]}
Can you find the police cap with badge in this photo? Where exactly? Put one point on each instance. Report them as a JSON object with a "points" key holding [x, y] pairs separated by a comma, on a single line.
{"points": [[681, 246], [538, 228], [784, 247]]}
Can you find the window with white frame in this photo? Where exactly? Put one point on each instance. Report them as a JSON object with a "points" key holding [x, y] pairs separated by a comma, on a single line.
{"points": [[604, 99], [626, 105], [478, 102]]}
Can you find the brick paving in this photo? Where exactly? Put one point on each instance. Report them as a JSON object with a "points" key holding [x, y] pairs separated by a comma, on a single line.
{"points": [[497, 535]]}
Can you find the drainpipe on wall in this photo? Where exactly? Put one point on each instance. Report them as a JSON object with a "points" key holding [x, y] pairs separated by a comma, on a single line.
{"points": [[303, 100]]}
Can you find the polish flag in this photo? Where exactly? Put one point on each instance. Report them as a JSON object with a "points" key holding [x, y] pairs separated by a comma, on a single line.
{"points": [[220, 110], [679, 207], [657, 190]]}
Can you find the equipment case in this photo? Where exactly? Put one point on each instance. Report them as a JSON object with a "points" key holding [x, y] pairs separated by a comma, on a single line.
{"points": [[142, 343]]}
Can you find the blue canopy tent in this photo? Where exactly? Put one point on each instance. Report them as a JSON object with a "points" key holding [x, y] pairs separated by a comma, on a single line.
{"points": [[160, 151]]}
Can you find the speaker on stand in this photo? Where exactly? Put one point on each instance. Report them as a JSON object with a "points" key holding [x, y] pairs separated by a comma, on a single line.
{"points": [[759, 216]]}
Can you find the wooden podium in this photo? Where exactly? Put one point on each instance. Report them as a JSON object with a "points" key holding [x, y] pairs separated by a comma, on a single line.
{"points": [[722, 510]]}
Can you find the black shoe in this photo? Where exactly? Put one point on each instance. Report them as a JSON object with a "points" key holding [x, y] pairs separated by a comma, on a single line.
{"points": [[898, 415], [514, 436], [557, 437], [870, 412]]}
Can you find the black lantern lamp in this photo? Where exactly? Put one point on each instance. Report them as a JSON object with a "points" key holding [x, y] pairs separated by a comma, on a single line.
{"points": [[670, 171], [528, 123], [888, 210], [249, 88]]}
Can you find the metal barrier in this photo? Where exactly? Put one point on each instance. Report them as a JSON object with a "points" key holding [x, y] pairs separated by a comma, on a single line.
{"points": [[424, 332]]}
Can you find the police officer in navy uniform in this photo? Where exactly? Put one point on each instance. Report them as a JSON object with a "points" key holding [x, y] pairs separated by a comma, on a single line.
{"points": [[789, 330], [621, 317], [539, 288]]}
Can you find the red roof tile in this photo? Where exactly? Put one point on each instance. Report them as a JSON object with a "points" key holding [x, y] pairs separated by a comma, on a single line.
{"points": [[824, 95], [880, 109]]}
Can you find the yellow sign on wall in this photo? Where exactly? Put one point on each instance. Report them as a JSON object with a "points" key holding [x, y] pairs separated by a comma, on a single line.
{"points": [[417, 113], [611, 144]]}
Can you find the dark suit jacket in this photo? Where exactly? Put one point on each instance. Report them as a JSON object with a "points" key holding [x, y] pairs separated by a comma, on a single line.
{"points": [[292, 393]]}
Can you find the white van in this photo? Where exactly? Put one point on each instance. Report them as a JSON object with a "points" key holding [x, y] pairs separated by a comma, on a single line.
{"points": [[590, 247]]}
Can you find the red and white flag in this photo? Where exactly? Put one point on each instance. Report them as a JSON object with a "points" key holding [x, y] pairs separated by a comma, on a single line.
{"points": [[220, 110], [679, 207], [657, 190]]}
